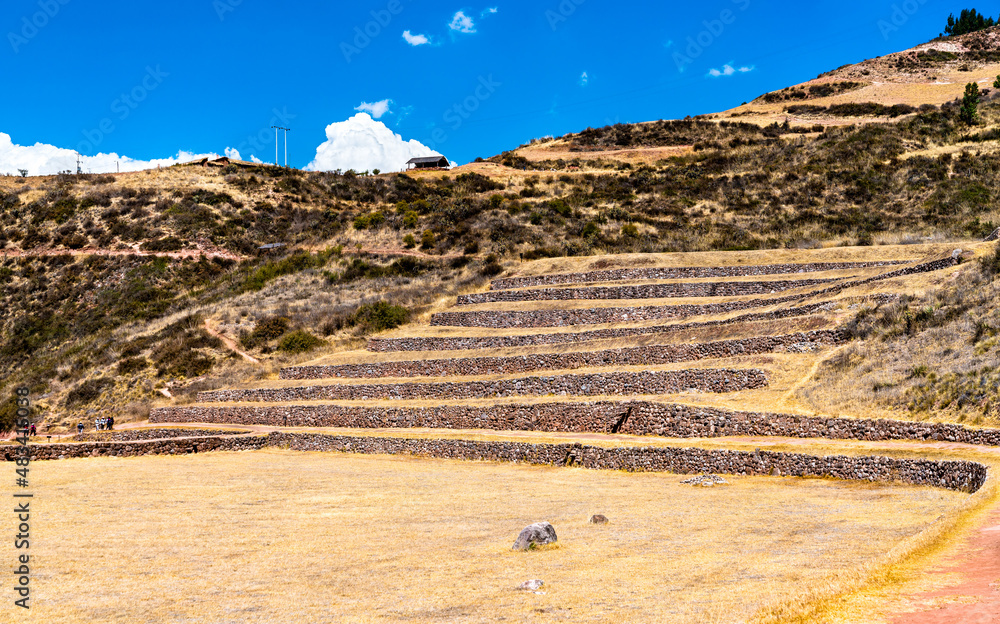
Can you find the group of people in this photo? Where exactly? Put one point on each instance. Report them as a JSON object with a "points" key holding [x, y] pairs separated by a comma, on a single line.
{"points": [[104, 424]]}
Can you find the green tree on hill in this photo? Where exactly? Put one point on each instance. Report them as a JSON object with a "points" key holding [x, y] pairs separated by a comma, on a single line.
{"points": [[970, 104], [968, 21]]}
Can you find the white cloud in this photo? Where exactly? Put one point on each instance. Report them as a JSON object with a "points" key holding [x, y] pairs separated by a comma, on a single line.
{"points": [[256, 160], [233, 153], [375, 109], [44, 159], [462, 23], [489, 11], [415, 40], [729, 70], [363, 144], [584, 79]]}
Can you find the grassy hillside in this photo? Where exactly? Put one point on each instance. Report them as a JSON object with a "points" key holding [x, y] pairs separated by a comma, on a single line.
{"points": [[116, 288]]}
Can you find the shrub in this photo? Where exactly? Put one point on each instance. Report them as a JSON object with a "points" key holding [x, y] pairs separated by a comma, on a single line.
{"points": [[88, 391], [427, 240], [629, 230], [299, 341], [410, 219], [167, 243], [266, 330], [409, 241], [129, 366], [378, 316]]}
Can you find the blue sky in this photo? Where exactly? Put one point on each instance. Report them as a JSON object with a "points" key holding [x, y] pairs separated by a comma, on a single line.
{"points": [[150, 79]]}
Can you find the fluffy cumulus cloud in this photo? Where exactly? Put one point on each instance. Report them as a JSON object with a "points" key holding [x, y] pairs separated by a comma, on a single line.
{"points": [[462, 23], [44, 159], [375, 109], [415, 40], [363, 144], [584, 79], [729, 70]]}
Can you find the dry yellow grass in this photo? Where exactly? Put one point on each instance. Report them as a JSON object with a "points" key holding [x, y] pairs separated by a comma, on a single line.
{"points": [[278, 536]]}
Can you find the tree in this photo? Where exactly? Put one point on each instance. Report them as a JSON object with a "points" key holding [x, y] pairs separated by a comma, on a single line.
{"points": [[996, 83], [968, 21], [970, 104], [23, 172]]}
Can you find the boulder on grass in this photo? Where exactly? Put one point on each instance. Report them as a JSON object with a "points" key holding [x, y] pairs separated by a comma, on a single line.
{"points": [[532, 585], [537, 534], [598, 519], [994, 236]]}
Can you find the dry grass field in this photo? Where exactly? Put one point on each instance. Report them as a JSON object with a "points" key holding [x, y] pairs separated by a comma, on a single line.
{"points": [[278, 536]]}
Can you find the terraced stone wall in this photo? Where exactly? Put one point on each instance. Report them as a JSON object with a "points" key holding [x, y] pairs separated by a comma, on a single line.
{"points": [[628, 356], [504, 319], [955, 475], [642, 291], [618, 383], [626, 417], [665, 273]]}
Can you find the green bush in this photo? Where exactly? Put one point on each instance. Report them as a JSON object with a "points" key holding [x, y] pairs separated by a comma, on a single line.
{"points": [[88, 391], [410, 219], [299, 341], [427, 240], [266, 330], [378, 316], [129, 366], [629, 230], [409, 241]]}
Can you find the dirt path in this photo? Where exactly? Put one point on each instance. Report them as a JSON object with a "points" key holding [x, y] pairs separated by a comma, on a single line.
{"points": [[975, 598], [134, 251], [230, 344]]}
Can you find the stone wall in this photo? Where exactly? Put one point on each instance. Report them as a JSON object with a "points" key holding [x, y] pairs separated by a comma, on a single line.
{"points": [[642, 291], [126, 435], [500, 319], [626, 417], [664, 273], [135, 448], [955, 475], [456, 343], [615, 383], [648, 355]]}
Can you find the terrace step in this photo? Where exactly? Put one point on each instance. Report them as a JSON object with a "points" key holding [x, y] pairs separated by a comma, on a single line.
{"points": [[664, 273], [593, 384], [456, 343], [627, 356], [561, 318], [644, 291], [632, 417]]}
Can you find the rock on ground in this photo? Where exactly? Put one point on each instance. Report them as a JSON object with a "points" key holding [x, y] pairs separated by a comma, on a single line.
{"points": [[598, 519], [532, 585], [536, 534]]}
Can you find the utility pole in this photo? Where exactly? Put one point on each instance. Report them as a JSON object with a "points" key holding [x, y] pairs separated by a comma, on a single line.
{"points": [[276, 128], [79, 169]]}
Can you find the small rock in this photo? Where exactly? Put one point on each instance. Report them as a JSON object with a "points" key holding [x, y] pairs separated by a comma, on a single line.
{"points": [[532, 585], [956, 254], [598, 519], [536, 534], [994, 236], [705, 480]]}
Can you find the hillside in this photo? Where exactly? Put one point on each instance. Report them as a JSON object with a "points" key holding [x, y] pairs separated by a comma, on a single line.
{"points": [[118, 288]]}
